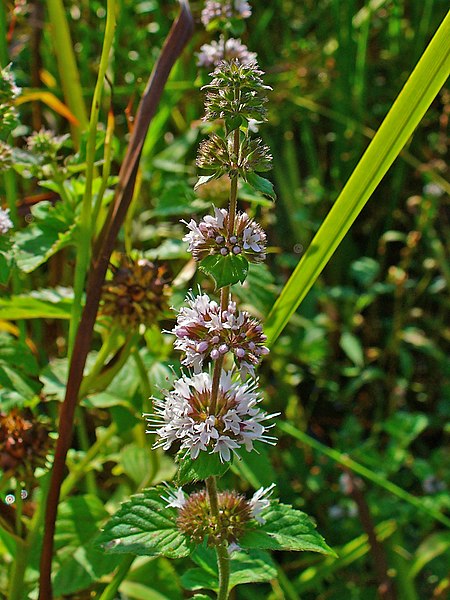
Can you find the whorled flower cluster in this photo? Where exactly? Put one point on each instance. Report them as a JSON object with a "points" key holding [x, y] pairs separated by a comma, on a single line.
{"points": [[236, 92], [8, 92], [45, 143], [205, 331], [225, 10], [196, 520], [212, 54], [218, 155], [212, 236], [5, 221], [137, 293], [185, 415]]}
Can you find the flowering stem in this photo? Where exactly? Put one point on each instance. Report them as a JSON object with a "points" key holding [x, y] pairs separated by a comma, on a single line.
{"points": [[234, 182], [223, 559]]}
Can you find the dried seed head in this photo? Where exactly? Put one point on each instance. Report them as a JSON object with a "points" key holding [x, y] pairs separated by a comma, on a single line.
{"points": [[197, 522], [137, 292], [24, 442]]}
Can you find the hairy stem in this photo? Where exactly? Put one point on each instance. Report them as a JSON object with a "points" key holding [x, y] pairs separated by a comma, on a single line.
{"points": [[223, 559]]}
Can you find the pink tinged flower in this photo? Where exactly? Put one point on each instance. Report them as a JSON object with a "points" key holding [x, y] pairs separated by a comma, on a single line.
{"points": [[5, 222], [184, 416], [205, 331], [260, 501], [213, 236], [212, 54], [175, 499]]}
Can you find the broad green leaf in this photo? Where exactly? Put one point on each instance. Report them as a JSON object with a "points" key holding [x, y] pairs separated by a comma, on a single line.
{"points": [[406, 113], [261, 184], [145, 526], [205, 465], [136, 463], [53, 230], [43, 304], [225, 270], [285, 529], [152, 579], [252, 566]]}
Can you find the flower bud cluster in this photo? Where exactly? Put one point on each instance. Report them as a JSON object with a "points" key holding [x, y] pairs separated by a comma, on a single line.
{"points": [[8, 92], [204, 330], [236, 91], [218, 155], [212, 235], [196, 520]]}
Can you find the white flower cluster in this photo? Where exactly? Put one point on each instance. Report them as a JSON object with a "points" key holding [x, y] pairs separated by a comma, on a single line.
{"points": [[212, 54], [5, 222], [184, 416], [226, 9], [204, 330], [211, 236]]}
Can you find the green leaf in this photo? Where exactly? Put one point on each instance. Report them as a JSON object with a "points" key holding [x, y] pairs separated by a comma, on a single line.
{"points": [[52, 231], [18, 368], [285, 529], [232, 123], [225, 270], [253, 566], [145, 526], [431, 547], [406, 113], [261, 184], [351, 345], [43, 304], [204, 179], [205, 465]]}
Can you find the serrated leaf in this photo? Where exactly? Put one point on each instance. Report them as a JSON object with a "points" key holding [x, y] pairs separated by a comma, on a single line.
{"points": [[205, 465], [254, 566], [145, 526], [225, 270], [52, 231], [261, 184], [285, 528]]}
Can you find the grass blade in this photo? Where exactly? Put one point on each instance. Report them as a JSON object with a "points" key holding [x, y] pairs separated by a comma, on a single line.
{"points": [[406, 113]]}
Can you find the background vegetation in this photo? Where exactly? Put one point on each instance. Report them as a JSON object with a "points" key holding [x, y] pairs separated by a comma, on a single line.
{"points": [[361, 370]]}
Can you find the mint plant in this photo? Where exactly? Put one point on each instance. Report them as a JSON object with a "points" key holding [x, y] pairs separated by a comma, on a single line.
{"points": [[212, 414]]}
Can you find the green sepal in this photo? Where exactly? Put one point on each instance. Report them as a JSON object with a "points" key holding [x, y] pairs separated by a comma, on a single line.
{"points": [[254, 566], [232, 123], [145, 526], [261, 184], [225, 270], [285, 528], [205, 465]]}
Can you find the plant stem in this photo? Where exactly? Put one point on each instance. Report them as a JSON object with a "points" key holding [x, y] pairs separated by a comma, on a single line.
{"points": [[234, 182], [85, 227], [109, 593], [223, 559]]}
